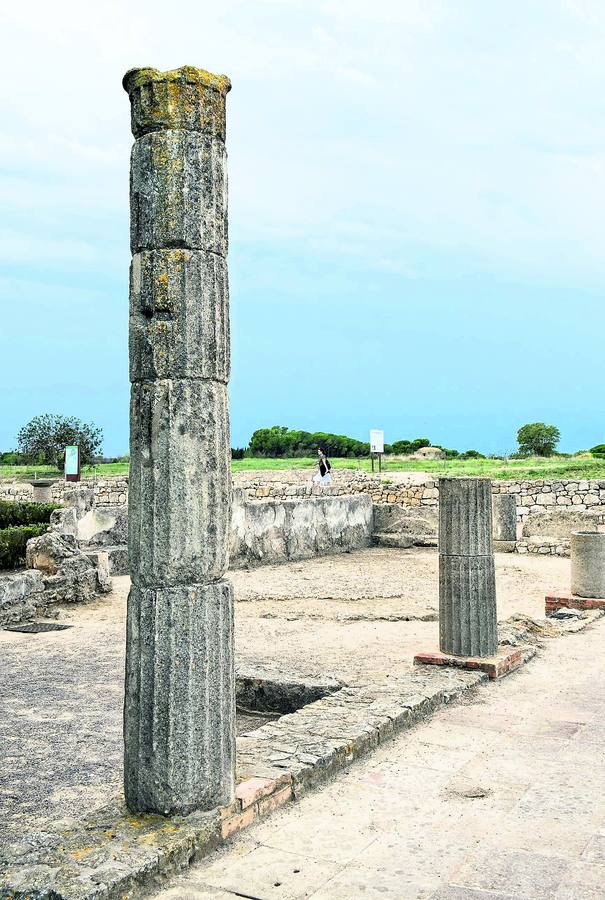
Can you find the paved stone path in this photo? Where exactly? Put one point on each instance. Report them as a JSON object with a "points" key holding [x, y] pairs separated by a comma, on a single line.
{"points": [[500, 798]]}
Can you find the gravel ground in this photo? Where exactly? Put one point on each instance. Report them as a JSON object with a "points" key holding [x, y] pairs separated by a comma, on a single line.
{"points": [[352, 615]]}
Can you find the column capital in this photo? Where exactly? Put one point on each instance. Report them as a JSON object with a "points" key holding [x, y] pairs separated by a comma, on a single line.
{"points": [[186, 98]]}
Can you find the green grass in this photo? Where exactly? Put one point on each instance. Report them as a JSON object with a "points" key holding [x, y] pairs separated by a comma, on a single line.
{"points": [[582, 466]]}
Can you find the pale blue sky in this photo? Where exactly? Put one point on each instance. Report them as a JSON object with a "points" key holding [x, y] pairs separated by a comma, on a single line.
{"points": [[417, 206]]}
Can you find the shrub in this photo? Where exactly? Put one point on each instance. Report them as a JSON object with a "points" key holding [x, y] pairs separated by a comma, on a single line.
{"points": [[12, 513], [598, 451], [13, 542], [472, 454], [237, 452]]}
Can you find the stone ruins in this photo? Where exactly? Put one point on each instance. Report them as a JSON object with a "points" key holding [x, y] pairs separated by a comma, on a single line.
{"points": [[467, 581], [179, 707]]}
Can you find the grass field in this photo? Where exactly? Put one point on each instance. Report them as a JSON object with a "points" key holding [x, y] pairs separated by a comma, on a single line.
{"points": [[582, 466]]}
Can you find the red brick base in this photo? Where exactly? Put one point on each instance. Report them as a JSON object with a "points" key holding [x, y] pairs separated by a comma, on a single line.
{"points": [[572, 601], [506, 660]]}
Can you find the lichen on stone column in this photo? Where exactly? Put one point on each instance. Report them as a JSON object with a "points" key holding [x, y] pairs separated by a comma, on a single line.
{"points": [[179, 708]]}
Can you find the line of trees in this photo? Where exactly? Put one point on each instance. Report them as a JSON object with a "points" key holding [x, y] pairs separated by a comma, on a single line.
{"points": [[280, 441], [44, 438]]}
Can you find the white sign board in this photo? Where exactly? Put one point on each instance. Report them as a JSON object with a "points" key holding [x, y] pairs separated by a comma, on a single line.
{"points": [[72, 461], [376, 441]]}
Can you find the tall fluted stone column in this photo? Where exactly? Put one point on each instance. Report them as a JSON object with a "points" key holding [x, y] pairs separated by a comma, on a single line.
{"points": [[179, 710], [467, 584]]}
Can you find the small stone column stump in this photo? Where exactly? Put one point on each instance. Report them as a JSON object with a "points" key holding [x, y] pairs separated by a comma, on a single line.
{"points": [[504, 510], [179, 709], [587, 574], [468, 630]]}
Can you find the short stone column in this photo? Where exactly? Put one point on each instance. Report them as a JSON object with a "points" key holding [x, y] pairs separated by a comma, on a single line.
{"points": [[504, 508], [179, 710], [588, 564], [467, 584], [43, 488]]}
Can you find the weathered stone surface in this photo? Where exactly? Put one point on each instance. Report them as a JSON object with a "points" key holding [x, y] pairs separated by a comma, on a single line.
{"points": [[588, 564], [179, 704], [179, 315], [49, 551], [186, 98], [21, 595], [467, 605], [269, 532], [561, 522], [467, 582], [465, 516], [416, 521], [178, 192], [179, 712], [103, 526], [180, 482], [504, 514]]}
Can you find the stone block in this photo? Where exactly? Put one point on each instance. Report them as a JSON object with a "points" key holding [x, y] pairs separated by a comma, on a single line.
{"points": [[555, 602], [465, 516], [187, 98], [179, 316], [467, 605], [504, 510], [178, 192], [504, 661], [21, 594], [179, 698], [180, 482], [588, 564]]}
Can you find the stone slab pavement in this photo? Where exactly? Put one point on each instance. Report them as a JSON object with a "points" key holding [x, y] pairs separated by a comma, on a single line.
{"points": [[344, 615], [498, 798]]}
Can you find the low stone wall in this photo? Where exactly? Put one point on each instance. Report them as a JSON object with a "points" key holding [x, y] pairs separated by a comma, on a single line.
{"points": [[276, 531], [531, 496], [263, 532], [536, 496], [104, 491]]}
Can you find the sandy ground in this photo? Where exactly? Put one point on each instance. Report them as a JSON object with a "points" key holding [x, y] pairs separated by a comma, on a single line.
{"points": [[350, 616]]}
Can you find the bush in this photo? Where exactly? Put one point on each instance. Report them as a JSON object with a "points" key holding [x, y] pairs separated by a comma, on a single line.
{"points": [[472, 454], [13, 542], [449, 454], [405, 448], [598, 451], [12, 513], [237, 452], [12, 458]]}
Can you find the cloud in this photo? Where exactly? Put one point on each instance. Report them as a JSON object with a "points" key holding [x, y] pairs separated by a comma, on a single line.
{"points": [[386, 132]]}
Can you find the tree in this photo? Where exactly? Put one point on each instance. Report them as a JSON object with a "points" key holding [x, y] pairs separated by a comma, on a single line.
{"points": [[538, 439], [44, 439]]}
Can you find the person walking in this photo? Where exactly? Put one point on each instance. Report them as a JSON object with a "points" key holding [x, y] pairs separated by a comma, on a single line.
{"points": [[324, 467]]}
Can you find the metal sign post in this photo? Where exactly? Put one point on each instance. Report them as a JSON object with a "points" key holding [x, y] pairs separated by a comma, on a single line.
{"points": [[72, 463], [376, 446]]}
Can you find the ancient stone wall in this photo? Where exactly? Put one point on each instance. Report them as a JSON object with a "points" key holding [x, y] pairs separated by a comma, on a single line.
{"points": [[105, 491], [531, 496], [275, 531]]}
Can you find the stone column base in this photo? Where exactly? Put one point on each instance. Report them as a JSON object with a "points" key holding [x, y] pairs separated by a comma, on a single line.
{"points": [[572, 601], [503, 663]]}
